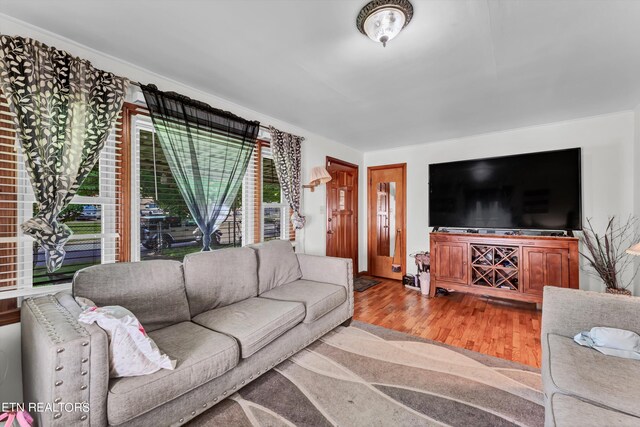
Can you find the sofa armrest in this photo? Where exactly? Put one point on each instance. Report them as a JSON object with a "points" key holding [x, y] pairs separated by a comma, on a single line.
{"points": [[337, 271], [63, 362], [567, 312]]}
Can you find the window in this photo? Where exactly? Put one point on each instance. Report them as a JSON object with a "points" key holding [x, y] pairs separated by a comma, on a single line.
{"points": [[274, 209], [268, 214], [164, 227], [92, 215], [8, 218], [167, 230], [128, 209]]}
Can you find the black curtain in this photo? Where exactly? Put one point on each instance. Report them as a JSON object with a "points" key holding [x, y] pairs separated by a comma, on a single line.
{"points": [[208, 151]]}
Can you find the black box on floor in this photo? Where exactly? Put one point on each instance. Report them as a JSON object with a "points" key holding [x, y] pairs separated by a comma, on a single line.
{"points": [[409, 280]]}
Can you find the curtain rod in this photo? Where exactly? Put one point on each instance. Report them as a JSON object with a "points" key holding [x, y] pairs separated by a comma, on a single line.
{"points": [[137, 84]]}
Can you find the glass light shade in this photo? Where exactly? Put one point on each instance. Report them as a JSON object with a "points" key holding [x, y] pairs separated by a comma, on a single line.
{"points": [[634, 250], [319, 175], [384, 24]]}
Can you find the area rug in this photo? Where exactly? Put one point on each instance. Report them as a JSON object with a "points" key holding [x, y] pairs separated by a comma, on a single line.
{"points": [[365, 375], [363, 283]]}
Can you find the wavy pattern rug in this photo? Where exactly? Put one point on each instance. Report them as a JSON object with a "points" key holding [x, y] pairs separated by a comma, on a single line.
{"points": [[366, 375]]}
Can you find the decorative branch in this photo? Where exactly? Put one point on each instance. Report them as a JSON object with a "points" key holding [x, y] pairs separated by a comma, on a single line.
{"points": [[606, 254]]}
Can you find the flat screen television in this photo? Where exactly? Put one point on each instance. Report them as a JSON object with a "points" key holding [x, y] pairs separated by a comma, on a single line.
{"points": [[536, 191]]}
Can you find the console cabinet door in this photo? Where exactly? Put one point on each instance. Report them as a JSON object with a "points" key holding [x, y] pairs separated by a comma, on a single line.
{"points": [[451, 262], [544, 267]]}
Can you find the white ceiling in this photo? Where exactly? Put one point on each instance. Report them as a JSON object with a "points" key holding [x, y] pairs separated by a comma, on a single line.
{"points": [[461, 67]]}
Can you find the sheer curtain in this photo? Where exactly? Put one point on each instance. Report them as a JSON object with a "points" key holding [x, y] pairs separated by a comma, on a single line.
{"points": [[64, 110], [208, 151]]}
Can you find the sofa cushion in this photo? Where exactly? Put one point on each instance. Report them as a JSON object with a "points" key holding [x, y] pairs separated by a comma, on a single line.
{"points": [[588, 374], [318, 298], [569, 411], [201, 355], [152, 290], [254, 322], [277, 264], [218, 278]]}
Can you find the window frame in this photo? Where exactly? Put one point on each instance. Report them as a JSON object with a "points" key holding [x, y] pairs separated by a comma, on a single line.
{"points": [[120, 220], [252, 196], [109, 199], [282, 205], [140, 121]]}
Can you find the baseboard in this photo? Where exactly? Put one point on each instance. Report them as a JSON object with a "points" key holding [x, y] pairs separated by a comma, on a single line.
{"points": [[363, 273]]}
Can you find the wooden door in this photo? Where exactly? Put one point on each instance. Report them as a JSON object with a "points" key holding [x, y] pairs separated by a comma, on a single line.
{"points": [[544, 267], [450, 262], [386, 219], [342, 210]]}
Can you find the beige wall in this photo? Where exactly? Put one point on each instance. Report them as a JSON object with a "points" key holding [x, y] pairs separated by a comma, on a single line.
{"points": [[608, 168]]}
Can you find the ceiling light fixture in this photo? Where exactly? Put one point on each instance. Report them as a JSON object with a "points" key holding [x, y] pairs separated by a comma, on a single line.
{"points": [[382, 20]]}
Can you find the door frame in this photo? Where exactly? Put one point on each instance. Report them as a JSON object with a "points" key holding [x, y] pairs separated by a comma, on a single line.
{"points": [[328, 160], [371, 201]]}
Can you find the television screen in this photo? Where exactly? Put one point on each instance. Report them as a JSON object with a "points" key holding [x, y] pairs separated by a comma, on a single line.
{"points": [[537, 191]]}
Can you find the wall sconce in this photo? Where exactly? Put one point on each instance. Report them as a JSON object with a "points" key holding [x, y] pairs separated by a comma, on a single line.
{"points": [[634, 250], [319, 175]]}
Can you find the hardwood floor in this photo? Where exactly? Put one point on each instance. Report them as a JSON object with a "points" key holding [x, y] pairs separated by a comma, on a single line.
{"points": [[505, 329]]}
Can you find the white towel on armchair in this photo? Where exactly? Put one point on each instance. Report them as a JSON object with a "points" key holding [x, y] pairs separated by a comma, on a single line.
{"points": [[611, 341]]}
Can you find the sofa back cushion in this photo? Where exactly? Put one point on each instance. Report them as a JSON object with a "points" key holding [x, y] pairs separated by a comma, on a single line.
{"points": [[219, 278], [277, 264], [152, 290]]}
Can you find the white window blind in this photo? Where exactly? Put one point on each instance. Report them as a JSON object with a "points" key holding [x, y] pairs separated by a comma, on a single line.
{"points": [[93, 215]]}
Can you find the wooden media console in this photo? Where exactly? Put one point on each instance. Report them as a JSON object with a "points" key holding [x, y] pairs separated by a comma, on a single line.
{"points": [[511, 267]]}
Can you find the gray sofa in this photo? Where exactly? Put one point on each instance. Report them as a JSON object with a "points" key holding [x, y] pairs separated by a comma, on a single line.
{"points": [[583, 387], [227, 316]]}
